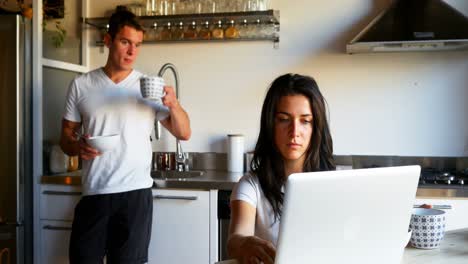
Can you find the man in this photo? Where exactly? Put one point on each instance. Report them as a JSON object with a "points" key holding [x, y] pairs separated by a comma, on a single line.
{"points": [[114, 216]]}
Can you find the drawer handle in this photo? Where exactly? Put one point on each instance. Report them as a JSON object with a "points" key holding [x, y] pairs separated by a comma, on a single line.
{"points": [[49, 227], [172, 197], [61, 193]]}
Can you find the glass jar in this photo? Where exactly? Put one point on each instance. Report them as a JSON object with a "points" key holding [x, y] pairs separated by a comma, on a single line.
{"points": [[166, 33], [269, 29], [218, 32], [254, 29], [244, 29], [156, 31], [151, 8], [148, 36], [178, 33], [191, 32], [231, 31], [263, 5], [205, 32], [167, 7]]}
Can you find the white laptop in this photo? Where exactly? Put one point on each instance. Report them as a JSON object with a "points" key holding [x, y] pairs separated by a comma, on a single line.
{"points": [[349, 216]]}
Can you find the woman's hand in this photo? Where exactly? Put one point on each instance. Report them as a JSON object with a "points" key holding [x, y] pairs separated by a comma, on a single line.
{"points": [[86, 151], [255, 250]]}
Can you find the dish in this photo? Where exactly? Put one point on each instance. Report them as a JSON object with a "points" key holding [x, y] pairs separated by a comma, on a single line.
{"points": [[104, 143]]}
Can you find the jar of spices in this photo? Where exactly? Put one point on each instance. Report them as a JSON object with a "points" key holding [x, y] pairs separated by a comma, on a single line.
{"points": [[191, 32], [150, 33], [218, 32], [231, 31], [244, 29], [254, 29], [178, 33], [205, 32], [156, 31], [166, 33]]}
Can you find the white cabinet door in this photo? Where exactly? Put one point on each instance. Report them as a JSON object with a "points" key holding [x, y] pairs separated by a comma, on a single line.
{"points": [[58, 202], [181, 227], [55, 240]]}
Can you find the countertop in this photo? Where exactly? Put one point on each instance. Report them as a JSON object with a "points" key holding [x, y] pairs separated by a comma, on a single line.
{"points": [[223, 180], [453, 250], [210, 180]]}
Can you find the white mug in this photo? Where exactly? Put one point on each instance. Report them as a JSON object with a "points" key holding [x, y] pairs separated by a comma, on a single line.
{"points": [[152, 87], [428, 228]]}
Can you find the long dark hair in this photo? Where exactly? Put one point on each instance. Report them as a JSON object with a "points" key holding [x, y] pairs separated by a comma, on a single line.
{"points": [[267, 163]]}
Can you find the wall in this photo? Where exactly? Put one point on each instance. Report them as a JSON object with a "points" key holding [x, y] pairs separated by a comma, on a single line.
{"points": [[380, 104]]}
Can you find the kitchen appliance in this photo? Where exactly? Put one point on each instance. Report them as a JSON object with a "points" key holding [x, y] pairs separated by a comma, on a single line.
{"points": [[413, 25], [368, 218], [443, 178], [16, 220], [224, 217]]}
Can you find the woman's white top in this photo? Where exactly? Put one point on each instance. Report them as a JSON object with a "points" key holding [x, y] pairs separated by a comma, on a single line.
{"points": [[248, 190]]}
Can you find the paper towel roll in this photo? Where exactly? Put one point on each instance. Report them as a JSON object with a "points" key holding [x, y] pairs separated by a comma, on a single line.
{"points": [[235, 153]]}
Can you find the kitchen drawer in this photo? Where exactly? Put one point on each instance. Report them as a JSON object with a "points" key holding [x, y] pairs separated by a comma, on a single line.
{"points": [[58, 202], [181, 227], [55, 236]]}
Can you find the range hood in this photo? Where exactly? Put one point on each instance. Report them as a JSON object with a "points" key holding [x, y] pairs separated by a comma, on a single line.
{"points": [[413, 25]]}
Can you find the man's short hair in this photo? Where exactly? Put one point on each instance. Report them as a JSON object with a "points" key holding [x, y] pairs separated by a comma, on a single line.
{"points": [[120, 18]]}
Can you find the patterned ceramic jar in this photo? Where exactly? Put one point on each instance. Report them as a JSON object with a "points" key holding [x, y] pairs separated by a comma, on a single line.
{"points": [[428, 226]]}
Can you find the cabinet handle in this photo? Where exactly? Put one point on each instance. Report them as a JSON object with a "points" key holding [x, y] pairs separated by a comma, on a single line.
{"points": [[49, 227], [173, 197], [61, 193]]}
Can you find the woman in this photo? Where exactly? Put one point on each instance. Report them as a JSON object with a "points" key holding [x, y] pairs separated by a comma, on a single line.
{"points": [[294, 137]]}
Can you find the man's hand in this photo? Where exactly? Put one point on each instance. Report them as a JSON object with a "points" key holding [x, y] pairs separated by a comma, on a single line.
{"points": [[178, 122], [170, 99], [86, 151]]}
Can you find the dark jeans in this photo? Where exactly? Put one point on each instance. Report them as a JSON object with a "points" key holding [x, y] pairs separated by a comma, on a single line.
{"points": [[116, 225]]}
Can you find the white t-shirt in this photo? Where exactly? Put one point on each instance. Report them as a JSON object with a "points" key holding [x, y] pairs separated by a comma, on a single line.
{"points": [[248, 189], [128, 166]]}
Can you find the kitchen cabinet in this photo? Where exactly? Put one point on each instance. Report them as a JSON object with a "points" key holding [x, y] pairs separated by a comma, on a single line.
{"points": [[56, 215], [185, 225], [58, 202], [181, 231], [55, 237]]}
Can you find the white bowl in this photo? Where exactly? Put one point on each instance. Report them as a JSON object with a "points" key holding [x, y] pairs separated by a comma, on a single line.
{"points": [[104, 143]]}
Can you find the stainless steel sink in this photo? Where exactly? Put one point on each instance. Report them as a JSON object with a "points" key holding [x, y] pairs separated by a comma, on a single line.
{"points": [[176, 175]]}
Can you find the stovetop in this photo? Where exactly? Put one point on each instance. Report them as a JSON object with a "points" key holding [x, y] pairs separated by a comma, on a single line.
{"points": [[444, 179]]}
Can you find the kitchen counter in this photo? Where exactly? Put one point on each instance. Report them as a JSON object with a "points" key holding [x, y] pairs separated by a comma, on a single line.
{"points": [[453, 250], [210, 180], [223, 180], [451, 193]]}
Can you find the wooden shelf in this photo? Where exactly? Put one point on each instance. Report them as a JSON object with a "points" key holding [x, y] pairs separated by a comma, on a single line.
{"points": [[268, 18]]}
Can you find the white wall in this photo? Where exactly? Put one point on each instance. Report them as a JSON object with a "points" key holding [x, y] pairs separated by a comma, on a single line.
{"points": [[380, 104]]}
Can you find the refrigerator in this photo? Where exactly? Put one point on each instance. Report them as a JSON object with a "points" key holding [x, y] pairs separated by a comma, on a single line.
{"points": [[16, 177]]}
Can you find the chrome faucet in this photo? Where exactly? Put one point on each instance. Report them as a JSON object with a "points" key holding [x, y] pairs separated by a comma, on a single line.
{"points": [[181, 158]]}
